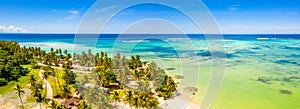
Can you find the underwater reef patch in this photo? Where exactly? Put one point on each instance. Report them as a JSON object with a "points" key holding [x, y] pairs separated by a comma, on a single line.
{"points": [[286, 62], [291, 48], [217, 54]]}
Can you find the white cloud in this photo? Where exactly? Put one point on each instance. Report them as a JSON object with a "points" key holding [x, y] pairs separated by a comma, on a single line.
{"points": [[67, 14], [74, 12], [233, 7], [71, 17], [11, 29], [105, 9]]}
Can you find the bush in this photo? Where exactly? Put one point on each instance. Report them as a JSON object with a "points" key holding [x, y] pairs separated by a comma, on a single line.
{"points": [[36, 66], [284, 91], [3, 81]]}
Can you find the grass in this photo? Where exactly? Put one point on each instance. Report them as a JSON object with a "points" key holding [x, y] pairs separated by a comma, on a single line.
{"points": [[30, 99], [23, 81], [54, 81], [80, 77]]}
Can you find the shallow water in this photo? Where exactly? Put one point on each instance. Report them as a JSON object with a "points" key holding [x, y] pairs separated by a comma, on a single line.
{"points": [[256, 70]]}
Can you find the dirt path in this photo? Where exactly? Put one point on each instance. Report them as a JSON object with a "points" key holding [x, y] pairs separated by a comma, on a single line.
{"points": [[49, 88]]}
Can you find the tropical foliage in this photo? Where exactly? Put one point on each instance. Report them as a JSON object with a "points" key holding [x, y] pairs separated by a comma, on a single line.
{"points": [[12, 56], [118, 79], [19, 91]]}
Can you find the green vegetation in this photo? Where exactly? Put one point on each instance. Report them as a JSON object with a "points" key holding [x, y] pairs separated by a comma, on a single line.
{"points": [[19, 91], [12, 56], [118, 79], [23, 81], [37, 89], [55, 105], [114, 77], [83, 105], [143, 74]]}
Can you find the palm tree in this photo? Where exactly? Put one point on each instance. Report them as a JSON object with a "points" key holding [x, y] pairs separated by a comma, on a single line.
{"points": [[153, 103], [82, 104], [116, 97], [37, 93], [45, 77], [56, 76], [66, 52], [66, 91], [144, 100], [172, 84], [136, 75], [52, 50], [60, 53], [53, 73], [136, 101], [32, 80], [132, 63], [53, 104], [19, 90], [69, 56], [147, 73], [128, 97]]}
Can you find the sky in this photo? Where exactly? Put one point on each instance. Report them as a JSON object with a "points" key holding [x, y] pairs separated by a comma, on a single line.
{"points": [[232, 16]]}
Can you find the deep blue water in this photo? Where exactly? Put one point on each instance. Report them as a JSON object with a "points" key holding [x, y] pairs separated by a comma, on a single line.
{"points": [[67, 37], [283, 51]]}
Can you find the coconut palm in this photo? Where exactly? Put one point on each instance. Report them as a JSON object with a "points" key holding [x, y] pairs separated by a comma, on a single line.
{"points": [[116, 97], [45, 77], [65, 52], [147, 73], [32, 81], [19, 90], [53, 73], [153, 103], [128, 97], [132, 63], [37, 93], [171, 84], [143, 100], [136, 75], [53, 105], [136, 101], [82, 104], [57, 106], [66, 91]]}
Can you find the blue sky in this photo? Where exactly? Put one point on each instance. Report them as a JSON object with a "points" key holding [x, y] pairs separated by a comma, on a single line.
{"points": [[232, 16]]}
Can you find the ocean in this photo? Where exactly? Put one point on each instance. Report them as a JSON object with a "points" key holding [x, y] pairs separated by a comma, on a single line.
{"points": [[249, 58]]}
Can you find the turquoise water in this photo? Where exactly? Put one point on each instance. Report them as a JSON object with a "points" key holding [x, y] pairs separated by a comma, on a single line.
{"points": [[277, 61]]}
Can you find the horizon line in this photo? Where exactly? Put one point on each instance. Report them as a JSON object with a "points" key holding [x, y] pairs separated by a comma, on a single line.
{"points": [[164, 33]]}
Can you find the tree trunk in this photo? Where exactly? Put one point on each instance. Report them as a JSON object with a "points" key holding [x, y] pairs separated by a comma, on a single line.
{"points": [[46, 87], [59, 88], [55, 85], [21, 101]]}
